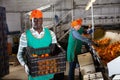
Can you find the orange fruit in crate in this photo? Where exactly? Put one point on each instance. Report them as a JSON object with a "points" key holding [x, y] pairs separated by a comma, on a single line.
{"points": [[46, 72], [51, 71], [47, 67], [42, 56], [39, 63], [42, 72], [47, 62], [34, 55], [55, 70], [54, 60], [39, 72], [46, 55]]}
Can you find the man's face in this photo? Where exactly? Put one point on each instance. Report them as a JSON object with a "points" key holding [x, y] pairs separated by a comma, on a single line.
{"points": [[38, 22], [77, 27]]}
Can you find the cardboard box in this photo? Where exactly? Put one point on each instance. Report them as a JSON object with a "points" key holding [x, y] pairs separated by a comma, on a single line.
{"points": [[85, 59], [94, 76], [87, 69], [86, 63]]}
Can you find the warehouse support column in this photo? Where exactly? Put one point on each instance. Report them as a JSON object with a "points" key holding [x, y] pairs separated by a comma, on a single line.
{"points": [[73, 10], [53, 9], [92, 20]]}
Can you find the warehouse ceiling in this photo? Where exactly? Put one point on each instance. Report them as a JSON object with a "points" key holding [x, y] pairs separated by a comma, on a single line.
{"points": [[27, 5], [109, 10]]}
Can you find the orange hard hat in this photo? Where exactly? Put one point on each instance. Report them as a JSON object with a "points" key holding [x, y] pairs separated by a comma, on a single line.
{"points": [[79, 21], [76, 22], [36, 14]]}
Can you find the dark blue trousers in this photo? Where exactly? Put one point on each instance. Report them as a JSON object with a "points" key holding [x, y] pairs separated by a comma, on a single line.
{"points": [[71, 75], [72, 66]]}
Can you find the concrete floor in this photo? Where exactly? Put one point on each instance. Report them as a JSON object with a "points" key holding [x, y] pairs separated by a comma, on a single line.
{"points": [[18, 73]]}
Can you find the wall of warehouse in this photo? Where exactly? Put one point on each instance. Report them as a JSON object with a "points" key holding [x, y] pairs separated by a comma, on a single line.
{"points": [[14, 26], [13, 21], [104, 15]]}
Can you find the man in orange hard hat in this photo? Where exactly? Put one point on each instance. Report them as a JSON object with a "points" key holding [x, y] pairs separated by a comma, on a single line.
{"points": [[36, 37]]}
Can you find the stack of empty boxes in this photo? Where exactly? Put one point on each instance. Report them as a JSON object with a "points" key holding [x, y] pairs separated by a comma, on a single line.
{"points": [[93, 76], [87, 67], [86, 63]]}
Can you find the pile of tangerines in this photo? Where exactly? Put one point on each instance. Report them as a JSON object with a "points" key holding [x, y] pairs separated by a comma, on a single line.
{"points": [[41, 55], [108, 51]]}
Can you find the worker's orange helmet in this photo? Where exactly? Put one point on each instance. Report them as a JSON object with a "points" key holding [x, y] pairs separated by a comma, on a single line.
{"points": [[36, 14], [76, 22], [79, 21]]}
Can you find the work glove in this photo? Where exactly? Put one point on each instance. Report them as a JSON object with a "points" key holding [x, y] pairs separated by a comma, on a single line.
{"points": [[26, 69], [96, 44]]}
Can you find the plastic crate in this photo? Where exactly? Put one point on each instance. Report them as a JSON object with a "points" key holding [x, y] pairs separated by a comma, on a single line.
{"points": [[54, 63]]}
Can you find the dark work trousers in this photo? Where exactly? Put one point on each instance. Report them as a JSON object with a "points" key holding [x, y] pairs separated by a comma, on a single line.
{"points": [[72, 66]]}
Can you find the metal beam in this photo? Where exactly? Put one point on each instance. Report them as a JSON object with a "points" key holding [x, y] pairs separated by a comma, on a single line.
{"points": [[99, 5]]}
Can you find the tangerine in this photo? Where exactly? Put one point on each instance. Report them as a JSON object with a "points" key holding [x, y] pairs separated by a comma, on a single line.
{"points": [[42, 56], [46, 55]]}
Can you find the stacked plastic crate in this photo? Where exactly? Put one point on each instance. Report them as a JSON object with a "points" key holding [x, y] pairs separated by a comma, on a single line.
{"points": [[4, 64]]}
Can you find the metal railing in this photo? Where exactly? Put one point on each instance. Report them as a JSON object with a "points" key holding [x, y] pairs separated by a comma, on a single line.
{"points": [[62, 26]]}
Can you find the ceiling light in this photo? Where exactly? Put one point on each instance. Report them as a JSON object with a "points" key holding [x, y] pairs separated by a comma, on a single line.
{"points": [[41, 8], [93, 1], [44, 7], [89, 4]]}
